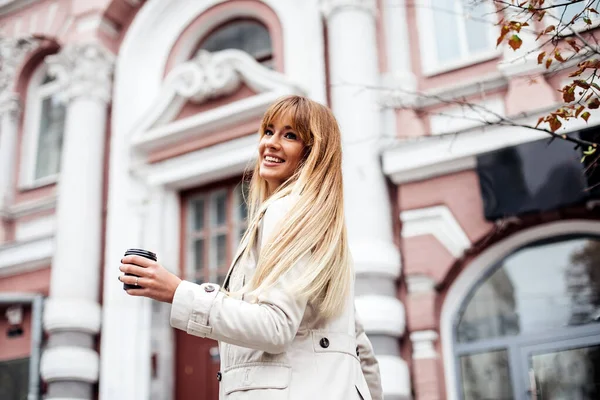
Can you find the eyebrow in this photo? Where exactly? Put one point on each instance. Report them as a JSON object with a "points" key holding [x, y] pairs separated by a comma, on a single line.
{"points": [[284, 128]]}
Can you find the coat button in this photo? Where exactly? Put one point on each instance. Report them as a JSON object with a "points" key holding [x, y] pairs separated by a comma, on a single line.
{"points": [[324, 343], [219, 376], [357, 351], [209, 288]]}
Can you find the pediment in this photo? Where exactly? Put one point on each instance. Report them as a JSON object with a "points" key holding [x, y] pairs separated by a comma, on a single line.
{"points": [[209, 76]]}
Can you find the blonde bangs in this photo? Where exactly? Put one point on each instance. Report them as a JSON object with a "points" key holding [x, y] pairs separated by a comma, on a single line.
{"points": [[298, 111]]}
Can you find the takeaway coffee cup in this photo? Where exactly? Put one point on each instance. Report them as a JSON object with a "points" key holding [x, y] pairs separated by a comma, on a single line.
{"points": [[138, 252]]}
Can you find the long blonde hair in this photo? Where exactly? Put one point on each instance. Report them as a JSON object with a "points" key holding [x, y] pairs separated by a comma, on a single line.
{"points": [[315, 224]]}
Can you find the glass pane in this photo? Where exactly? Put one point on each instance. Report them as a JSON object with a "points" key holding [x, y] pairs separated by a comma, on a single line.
{"points": [[219, 209], [478, 32], [50, 137], [198, 214], [219, 248], [486, 376], [249, 36], [446, 30], [14, 379], [242, 208], [568, 374], [539, 288], [199, 260]]}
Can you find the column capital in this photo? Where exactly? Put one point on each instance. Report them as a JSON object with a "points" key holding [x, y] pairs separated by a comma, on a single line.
{"points": [[12, 53], [84, 69], [331, 7]]}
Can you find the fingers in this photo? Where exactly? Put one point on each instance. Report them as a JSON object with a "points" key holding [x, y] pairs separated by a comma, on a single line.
{"points": [[137, 292], [138, 260], [135, 281], [135, 270]]}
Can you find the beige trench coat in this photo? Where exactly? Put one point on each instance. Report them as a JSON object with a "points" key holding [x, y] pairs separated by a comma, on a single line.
{"points": [[276, 347]]}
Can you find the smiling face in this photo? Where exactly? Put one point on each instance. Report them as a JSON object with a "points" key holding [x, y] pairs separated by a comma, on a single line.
{"points": [[280, 150]]}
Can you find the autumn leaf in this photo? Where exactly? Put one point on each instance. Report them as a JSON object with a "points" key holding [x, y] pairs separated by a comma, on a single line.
{"points": [[594, 103], [555, 124], [558, 56], [579, 110], [568, 93], [515, 42], [592, 10], [581, 83], [585, 116], [541, 57], [503, 32], [587, 20], [539, 121], [545, 31], [574, 45], [595, 85], [548, 63]]}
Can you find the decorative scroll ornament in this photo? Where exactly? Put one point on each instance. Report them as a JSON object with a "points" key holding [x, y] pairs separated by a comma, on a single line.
{"points": [[84, 69], [207, 76], [330, 7]]}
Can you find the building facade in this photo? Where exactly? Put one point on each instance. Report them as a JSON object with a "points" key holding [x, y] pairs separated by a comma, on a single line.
{"points": [[130, 123]]}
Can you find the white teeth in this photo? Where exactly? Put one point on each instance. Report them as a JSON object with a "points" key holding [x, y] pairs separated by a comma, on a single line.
{"points": [[273, 159]]}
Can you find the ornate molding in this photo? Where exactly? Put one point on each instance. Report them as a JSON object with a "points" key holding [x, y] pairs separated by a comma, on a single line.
{"points": [[208, 76], [383, 315], [84, 69], [331, 7], [12, 53], [424, 344], [10, 104]]}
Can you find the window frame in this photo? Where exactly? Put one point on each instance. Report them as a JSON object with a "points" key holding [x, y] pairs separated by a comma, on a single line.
{"points": [[267, 59], [37, 91], [579, 26], [515, 346], [231, 228], [430, 66]]}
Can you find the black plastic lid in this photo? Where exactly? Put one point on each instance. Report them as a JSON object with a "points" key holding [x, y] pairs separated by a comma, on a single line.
{"points": [[142, 253]]}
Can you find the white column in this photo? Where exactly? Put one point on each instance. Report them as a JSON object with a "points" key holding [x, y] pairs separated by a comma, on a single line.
{"points": [[354, 72], [72, 314], [9, 114]]}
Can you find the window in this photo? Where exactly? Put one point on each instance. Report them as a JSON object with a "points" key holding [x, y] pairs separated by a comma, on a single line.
{"points": [[247, 35], [455, 33], [44, 129], [14, 379], [215, 224], [533, 324]]}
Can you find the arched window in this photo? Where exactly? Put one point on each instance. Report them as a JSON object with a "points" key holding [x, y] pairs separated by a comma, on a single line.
{"points": [[533, 325], [44, 127], [243, 34]]}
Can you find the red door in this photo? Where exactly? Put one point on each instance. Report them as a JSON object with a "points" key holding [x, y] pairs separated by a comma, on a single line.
{"points": [[196, 366]]}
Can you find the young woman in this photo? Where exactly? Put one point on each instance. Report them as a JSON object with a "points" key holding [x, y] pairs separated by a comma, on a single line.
{"points": [[285, 317]]}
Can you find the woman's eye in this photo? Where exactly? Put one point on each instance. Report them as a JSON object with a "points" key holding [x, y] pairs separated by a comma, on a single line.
{"points": [[291, 135], [268, 132]]}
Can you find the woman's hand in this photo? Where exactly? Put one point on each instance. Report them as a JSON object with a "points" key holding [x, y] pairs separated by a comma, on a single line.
{"points": [[154, 280]]}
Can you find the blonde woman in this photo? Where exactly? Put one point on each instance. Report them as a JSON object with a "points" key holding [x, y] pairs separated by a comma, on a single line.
{"points": [[284, 318]]}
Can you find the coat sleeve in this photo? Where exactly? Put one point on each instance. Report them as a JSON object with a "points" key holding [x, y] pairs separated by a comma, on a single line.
{"points": [[368, 362], [270, 324]]}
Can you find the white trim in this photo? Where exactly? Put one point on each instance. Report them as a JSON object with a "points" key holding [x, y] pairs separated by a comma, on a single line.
{"points": [[418, 157], [69, 363], [423, 344], [395, 377], [83, 316], [93, 22], [23, 255], [381, 314], [203, 166], [23, 209], [479, 266], [8, 6], [28, 230], [439, 222], [419, 284], [458, 118], [428, 42]]}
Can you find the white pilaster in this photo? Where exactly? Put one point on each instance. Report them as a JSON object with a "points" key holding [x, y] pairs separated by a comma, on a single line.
{"points": [[9, 113], [85, 70], [353, 75]]}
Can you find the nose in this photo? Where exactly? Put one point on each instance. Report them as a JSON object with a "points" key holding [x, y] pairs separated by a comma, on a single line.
{"points": [[273, 141]]}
